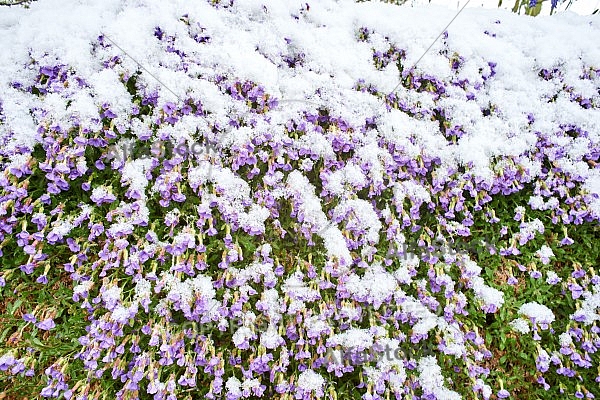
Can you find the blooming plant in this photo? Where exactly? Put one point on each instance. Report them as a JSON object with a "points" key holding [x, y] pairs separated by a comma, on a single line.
{"points": [[266, 265]]}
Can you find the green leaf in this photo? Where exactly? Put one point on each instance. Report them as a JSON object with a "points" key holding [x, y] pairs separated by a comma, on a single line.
{"points": [[38, 342], [16, 305]]}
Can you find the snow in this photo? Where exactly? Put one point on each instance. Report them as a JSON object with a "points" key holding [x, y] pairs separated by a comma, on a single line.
{"points": [[354, 338], [61, 229], [520, 325], [544, 253], [333, 60], [537, 312], [83, 287], [309, 380], [432, 380], [310, 206], [271, 339], [565, 339], [134, 175], [143, 289], [66, 33], [589, 312], [112, 295], [233, 386], [552, 278]]}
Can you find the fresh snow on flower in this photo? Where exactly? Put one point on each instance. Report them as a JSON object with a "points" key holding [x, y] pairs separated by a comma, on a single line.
{"points": [[120, 314], [250, 384], [453, 338], [297, 289], [590, 308], [255, 219], [552, 278], [310, 381], [310, 207], [60, 230], [491, 298], [520, 325], [234, 387], [134, 175], [102, 194], [565, 339], [354, 338], [544, 253], [376, 285], [241, 336], [143, 289], [432, 380], [486, 390], [359, 214], [83, 287], [537, 312], [271, 339], [112, 295]]}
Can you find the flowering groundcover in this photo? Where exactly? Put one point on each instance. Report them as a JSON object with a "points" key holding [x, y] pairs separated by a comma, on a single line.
{"points": [[265, 215]]}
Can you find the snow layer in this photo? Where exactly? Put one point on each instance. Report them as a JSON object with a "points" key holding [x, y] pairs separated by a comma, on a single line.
{"points": [[333, 61]]}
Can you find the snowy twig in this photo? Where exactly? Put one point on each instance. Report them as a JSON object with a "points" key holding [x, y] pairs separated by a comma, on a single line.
{"points": [[14, 3]]}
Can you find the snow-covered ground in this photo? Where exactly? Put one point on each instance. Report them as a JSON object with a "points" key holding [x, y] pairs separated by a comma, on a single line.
{"points": [[249, 41]]}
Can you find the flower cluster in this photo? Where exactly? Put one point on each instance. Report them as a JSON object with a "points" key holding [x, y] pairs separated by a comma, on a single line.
{"points": [[288, 225]]}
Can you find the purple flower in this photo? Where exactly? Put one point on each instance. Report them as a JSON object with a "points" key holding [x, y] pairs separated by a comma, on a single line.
{"points": [[29, 318], [27, 268], [109, 114], [40, 220], [169, 107], [535, 274], [503, 394], [101, 195], [46, 324], [512, 280], [48, 71], [73, 246]]}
